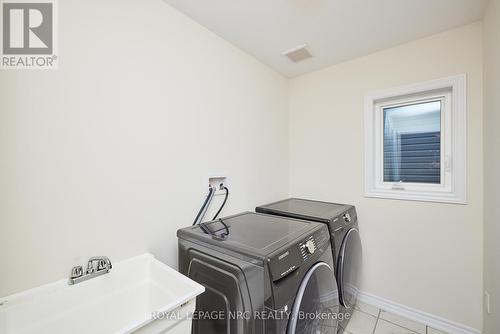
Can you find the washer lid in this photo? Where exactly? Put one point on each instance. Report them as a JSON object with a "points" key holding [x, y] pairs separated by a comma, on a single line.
{"points": [[254, 234], [305, 209]]}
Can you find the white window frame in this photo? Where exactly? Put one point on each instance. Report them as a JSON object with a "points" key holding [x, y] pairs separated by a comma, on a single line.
{"points": [[451, 92]]}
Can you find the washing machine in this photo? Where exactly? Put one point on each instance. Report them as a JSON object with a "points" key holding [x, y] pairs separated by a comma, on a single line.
{"points": [[262, 275], [342, 223]]}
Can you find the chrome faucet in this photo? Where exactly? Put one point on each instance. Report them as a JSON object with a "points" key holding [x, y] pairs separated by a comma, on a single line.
{"points": [[96, 266]]}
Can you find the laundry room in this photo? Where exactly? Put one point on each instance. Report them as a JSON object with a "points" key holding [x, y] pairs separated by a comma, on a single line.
{"points": [[249, 167]]}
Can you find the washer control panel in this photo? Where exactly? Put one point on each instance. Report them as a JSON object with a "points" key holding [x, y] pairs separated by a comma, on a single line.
{"points": [[310, 246], [312, 243], [286, 261], [307, 247]]}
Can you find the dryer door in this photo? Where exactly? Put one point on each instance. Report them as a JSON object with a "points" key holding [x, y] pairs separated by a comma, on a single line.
{"points": [[348, 267], [316, 306]]}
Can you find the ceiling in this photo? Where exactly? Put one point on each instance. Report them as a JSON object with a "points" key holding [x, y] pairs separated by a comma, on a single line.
{"points": [[334, 30]]}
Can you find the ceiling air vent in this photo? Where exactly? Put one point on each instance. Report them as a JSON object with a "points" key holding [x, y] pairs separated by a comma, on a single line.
{"points": [[298, 53]]}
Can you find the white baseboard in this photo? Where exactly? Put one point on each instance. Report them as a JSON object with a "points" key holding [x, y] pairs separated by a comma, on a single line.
{"points": [[428, 319]]}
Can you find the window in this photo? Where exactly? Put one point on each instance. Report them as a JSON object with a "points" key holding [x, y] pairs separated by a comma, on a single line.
{"points": [[415, 142], [412, 142]]}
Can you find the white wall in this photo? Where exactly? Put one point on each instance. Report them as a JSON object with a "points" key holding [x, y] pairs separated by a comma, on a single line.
{"points": [[492, 164], [108, 154], [424, 255]]}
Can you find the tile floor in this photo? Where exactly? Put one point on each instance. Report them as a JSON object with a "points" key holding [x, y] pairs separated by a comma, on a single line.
{"points": [[368, 319]]}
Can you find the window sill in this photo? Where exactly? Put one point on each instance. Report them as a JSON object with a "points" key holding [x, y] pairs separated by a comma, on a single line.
{"points": [[420, 196]]}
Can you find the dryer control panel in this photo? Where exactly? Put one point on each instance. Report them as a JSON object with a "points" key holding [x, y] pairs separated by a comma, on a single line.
{"points": [[347, 218]]}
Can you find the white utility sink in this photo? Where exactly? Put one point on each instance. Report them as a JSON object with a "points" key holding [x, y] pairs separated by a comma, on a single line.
{"points": [[122, 301]]}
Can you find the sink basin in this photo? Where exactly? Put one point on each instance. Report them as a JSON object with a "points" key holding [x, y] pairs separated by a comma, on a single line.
{"points": [[140, 294]]}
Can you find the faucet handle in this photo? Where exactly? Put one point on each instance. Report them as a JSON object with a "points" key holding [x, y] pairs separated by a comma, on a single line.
{"points": [[76, 272], [102, 263], [90, 267]]}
